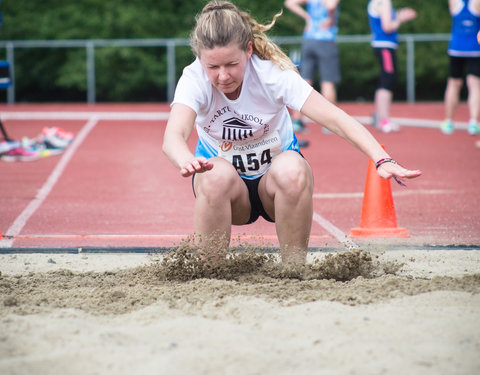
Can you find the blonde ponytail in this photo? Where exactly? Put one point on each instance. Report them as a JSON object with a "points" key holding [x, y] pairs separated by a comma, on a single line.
{"points": [[221, 23]]}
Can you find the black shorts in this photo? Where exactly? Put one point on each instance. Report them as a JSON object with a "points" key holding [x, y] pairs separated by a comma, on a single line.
{"points": [[255, 202], [256, 205], [458, 65], [388, 67]]}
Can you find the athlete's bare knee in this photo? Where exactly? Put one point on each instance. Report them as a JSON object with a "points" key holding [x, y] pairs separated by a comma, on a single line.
{"points": [[293, 177], [217, 181]]}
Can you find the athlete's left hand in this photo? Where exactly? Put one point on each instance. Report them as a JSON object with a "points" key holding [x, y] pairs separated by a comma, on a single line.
{"points": [[389, 170]]}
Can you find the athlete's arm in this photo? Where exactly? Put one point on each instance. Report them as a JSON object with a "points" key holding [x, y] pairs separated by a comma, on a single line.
{"points": [[295, 7], [321, 111], [179, 127], [452, 5], [331, 5], [476, 6], [390, 25]]}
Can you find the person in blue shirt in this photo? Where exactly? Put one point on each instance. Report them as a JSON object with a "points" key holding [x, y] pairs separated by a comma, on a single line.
{"points": [[384, 23], [464, 52], [319, 49]]}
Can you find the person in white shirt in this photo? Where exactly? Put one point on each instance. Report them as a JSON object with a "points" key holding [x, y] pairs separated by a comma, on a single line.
{"points": [[247, 162]]}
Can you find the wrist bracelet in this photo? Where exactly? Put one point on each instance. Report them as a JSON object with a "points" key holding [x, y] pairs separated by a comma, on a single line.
{"points": [[383, 161]]}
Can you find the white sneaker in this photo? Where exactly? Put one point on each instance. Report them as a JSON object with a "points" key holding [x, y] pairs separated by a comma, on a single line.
{"points": [[473, 127], [385, 126], [447, 127]]}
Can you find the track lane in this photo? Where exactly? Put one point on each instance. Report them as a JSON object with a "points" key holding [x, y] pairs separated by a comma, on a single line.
{"points": [[120, 190]]}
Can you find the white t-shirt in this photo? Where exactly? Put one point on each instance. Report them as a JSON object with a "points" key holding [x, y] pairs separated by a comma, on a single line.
{"points": [[252, 129]]}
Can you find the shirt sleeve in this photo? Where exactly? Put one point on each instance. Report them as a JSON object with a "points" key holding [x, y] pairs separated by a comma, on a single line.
{"points": [[295, 90], [191, 89], [286, 87]]}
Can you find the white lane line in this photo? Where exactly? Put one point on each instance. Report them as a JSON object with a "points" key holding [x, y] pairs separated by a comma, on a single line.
{"points": [[414, 122], [161, 116], [334, 231], [399, 193], [47, 187], [111, 236], [337, 195], [70, 115], [406, 121]]}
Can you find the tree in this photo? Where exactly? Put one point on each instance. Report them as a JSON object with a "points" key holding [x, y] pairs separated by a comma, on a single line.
{"points": [[139, 74]]}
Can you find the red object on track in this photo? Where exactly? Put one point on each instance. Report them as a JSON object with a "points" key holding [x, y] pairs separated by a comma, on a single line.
{"points": [[378, 210]]}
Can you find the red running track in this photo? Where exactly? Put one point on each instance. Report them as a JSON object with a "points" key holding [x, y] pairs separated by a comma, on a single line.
{"points": [[113, 188]]}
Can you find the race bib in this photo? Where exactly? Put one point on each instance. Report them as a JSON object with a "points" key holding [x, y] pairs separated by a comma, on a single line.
{"points": [[251, 158]]}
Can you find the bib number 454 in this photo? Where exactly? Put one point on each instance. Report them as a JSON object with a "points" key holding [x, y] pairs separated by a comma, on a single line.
{"points": [[251, 162]]}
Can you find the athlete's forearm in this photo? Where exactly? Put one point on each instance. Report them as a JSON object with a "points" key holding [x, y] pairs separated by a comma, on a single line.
{"points": [[179, 127], [323, 112], [295, 7], [177, 151]]}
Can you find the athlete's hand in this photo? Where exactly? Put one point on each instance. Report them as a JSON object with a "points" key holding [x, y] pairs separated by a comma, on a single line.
{"points": [[389, 170], [329, 22], [406, 14], [196, 165], [308, 24]]}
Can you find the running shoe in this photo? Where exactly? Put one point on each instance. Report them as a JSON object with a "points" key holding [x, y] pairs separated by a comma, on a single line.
{"points": [[473, 128], [6, 146], [36, 146], [20, 154], [446, 127], [59, 132], [53, 142], [385, 126]]}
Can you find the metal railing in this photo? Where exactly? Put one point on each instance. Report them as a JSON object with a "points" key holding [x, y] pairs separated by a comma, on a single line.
{"points": [[90, 45]]}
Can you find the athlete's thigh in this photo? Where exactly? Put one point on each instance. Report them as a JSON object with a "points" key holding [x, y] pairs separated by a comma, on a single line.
{"points": [[288, 163]]}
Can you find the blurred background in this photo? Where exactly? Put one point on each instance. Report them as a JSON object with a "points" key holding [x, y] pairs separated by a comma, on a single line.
{"points": [[135, 50]]}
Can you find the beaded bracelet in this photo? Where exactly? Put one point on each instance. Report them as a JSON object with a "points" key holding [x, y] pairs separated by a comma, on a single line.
{"points": [[383, 161], [389, 160]]}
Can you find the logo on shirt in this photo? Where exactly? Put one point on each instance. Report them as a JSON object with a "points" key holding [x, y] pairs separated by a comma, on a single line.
{"points": [[226, 146], [235, 129]]}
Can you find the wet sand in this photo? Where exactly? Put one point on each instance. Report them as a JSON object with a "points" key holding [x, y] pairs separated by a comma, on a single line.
{"points": [[349, 312]]}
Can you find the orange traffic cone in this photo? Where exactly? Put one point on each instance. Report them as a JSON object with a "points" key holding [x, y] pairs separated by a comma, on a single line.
{"points": [[378, 211]]}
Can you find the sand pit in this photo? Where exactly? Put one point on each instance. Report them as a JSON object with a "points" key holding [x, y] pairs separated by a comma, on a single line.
{"points": [[393, 312]]}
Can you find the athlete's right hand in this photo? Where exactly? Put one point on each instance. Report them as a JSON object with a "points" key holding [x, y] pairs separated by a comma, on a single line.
{"points": [[196, 165]]}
